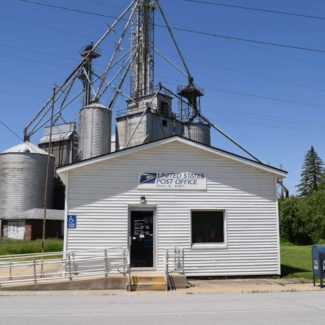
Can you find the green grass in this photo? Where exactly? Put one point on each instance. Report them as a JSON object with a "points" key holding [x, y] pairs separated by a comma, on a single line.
{"points": [[296, 260], [11, 247]]}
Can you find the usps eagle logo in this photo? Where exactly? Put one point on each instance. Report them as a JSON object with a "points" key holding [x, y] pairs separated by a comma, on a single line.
{"points": [[148, 178]]}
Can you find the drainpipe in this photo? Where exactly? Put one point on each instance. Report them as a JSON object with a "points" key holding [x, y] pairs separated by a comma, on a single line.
{"points": [[1, 226]]}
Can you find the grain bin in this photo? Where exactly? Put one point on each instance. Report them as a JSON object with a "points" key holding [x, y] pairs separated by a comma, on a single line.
{"points": [[95, 131], [22, 179], [199, 132]]}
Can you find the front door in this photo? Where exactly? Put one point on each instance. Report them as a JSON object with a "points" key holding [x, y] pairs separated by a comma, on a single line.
{"points": [[141, 238]]}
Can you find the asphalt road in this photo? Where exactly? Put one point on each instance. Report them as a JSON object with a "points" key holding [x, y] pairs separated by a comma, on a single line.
{"points": [[165, 308]]}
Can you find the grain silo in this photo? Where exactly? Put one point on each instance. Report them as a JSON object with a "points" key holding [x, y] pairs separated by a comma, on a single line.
{"points": [[197, 131], [95, 131], [23, 170]]}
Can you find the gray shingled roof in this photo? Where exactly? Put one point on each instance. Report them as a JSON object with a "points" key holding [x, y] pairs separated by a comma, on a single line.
{"points": [[37, 214]]}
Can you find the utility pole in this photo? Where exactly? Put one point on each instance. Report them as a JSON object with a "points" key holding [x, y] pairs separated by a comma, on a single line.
{"points": [[47, 174]]}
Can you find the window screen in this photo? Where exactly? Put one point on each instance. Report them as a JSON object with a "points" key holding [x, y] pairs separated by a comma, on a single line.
{"points": [[207, 227]]}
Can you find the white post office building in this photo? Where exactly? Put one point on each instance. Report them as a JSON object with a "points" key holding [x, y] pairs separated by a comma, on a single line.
{"points": [[219, 207]]}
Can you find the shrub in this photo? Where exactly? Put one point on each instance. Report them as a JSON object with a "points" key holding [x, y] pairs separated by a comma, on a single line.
{"points": [[302, 220]]}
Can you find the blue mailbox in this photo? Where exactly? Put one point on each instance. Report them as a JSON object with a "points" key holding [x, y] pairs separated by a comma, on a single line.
{"points": [[318, 256]]}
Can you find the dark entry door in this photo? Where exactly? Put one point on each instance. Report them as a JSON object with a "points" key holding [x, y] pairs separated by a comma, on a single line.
{"points": [[141, 238]]}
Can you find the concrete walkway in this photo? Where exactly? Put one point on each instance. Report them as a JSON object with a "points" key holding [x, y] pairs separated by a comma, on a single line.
{"points": [[231, 286], [258, 285]]}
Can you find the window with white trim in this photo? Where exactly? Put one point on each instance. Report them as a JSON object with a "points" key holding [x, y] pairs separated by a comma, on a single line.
{"points": [[208, 227]]}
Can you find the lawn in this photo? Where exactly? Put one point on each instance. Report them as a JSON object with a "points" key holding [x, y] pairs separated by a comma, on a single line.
{"points": [[10, 246], [296, 260]]}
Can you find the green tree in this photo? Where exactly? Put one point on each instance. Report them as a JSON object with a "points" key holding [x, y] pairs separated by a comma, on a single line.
{"points": [[311, 174], [302, 219], [322, 181]]}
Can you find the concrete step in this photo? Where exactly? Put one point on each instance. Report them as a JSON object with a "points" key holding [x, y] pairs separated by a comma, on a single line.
{"points": [[155, 281], [148, 282], [152, 286], [148, 279]]}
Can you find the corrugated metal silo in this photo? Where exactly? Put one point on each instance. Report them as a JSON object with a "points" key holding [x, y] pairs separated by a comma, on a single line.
{"points": [[22, 179], [95, 131], [199, 132]]}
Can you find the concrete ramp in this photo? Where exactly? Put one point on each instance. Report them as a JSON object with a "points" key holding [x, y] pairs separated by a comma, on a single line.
{"points": [[112, 282]]}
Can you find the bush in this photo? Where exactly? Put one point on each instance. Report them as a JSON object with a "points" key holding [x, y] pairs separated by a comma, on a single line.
{"points": [[288, 216], [302, 219]]}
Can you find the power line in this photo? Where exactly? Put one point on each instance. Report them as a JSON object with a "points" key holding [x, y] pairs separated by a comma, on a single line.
{"points": [[282, 100], [266, 122], [193, 60], [279, 127], [293, 83], [68, 9], [240, 93], [35, 83], [11, 130], [37, 52], [187, 30], [90, 37], [23, 83], [204, 63], [272, 119], [257, 75], [32, 61], [106, 4], [45, 26], [241, 39], [14, 93], [270, 11], [289, 57]]}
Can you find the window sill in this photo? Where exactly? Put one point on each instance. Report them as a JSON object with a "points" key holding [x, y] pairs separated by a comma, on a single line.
{"points": [[209, 246]]}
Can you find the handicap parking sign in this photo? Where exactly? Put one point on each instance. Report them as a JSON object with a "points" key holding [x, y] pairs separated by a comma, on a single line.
{"points": [[72, 222]]}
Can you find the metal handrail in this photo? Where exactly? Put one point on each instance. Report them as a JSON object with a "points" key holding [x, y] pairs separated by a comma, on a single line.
{"points": [[68, 267], [25, 256], [129, 271], [178, 256]]}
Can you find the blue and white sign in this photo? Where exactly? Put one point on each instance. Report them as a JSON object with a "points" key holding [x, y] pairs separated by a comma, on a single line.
{"points": [[72, 222], [173, 181]]}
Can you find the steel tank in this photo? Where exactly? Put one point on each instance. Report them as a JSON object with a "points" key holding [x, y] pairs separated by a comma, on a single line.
{"points": [[199, 132], [95, 131], [22, 179]]}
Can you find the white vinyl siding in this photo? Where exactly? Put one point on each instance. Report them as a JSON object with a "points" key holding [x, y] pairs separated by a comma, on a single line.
{"points": [[101, 193]]}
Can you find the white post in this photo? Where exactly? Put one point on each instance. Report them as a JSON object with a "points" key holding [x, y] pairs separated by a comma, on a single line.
{"points": [[34, 269], [106, 263], [69, 263], [166, 269], [10, 270]]}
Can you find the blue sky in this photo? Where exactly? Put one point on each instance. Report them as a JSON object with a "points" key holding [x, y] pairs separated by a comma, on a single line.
{"points": [[269, 99]]}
